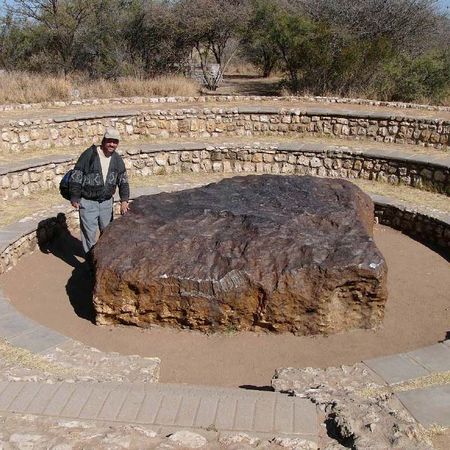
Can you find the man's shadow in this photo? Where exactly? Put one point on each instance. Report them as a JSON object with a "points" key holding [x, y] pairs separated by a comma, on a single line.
{"points": [[54, 237]]}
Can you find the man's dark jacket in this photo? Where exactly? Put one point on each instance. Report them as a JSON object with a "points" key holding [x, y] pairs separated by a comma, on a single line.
{"points": [[86, 180]]}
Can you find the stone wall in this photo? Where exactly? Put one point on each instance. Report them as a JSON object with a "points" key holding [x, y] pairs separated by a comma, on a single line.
{"points": [[84, 129], [428, 227], [217, 99], [22, 179], [19, 180], [35, 234], [301, 159]]}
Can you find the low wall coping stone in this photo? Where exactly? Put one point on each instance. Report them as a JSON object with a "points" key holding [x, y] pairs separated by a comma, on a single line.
{"points": [[434, 214], [185, 146], [221, 98], [93, 115], [440, 161], [17, 230], [245, 109], [258, 109], [34, 162]]}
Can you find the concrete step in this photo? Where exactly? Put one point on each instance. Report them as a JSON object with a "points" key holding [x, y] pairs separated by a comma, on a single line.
{"points": [[166, 405]]}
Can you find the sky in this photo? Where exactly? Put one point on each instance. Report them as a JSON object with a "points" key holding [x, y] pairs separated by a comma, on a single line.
{"points": [[445, 4]]}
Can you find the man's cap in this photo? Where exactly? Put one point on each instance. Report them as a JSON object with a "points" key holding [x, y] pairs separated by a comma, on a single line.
{"points": [[111, 133]]}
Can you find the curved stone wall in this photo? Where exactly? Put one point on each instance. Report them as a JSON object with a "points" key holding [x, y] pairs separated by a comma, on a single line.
{"points": [[432, 228], [216, 99], [21, 179], [86, 128]]}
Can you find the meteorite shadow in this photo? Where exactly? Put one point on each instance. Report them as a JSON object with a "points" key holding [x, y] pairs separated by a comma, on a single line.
{"points": [[80, 285], [79, 289]]}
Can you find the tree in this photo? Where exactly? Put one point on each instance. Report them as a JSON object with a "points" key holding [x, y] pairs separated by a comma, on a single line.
{"points": [[258, 47], [155, 39], [101, 49], [212, 27], [407, 23], [62, 21]]}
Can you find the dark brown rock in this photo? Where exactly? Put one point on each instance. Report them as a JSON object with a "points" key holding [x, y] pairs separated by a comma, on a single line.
{"points": [[283, 253]]}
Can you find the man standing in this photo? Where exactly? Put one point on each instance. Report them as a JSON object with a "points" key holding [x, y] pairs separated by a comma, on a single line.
{"points": [[97, 173]]}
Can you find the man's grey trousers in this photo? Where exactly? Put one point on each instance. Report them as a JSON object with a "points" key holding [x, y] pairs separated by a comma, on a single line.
{"points": [[93, 216]]}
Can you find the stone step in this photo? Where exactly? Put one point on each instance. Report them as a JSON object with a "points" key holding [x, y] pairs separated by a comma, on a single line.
{"points": [[166, 405], [403, 367], [429, 406]]}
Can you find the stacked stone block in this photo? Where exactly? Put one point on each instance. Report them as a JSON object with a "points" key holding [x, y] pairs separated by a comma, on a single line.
{"points": [[302, 159], [84, 129]]}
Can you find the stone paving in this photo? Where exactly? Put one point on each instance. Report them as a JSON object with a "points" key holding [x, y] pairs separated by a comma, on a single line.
{"points": [[429, 405], [162, 405]]}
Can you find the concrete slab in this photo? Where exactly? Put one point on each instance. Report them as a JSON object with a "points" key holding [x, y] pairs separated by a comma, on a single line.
{"points": [[428, 406], [258, 109], [38, 339], [94, 404], [8, 235], [435, 358], [5, 306], [14, 324], [396, 368], [93, 115], [196, 407], [9, 394], [58, 399], [113, 403], [19, 229], [314, 148], [34, 162], [291, 146]]}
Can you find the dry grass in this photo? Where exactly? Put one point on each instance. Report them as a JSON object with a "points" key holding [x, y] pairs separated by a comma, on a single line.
{"points": [[19, 356], [407, 194], [36, 203], [20, 87], [167, 86]]}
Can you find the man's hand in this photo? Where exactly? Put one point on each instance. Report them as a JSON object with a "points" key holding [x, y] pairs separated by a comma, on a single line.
{"points": [[124, 208], [76, 205]]}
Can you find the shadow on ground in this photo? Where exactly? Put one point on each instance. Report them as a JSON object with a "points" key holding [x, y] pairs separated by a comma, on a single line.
{"points": [[239, 85], [80, 285]]}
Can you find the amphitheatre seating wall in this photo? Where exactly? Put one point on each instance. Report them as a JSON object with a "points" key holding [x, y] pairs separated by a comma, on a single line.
{"points": [[83, 128], [421, 171]]}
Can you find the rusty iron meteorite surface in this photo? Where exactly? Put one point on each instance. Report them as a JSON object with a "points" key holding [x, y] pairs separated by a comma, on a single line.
{"points": [[281, 253]]}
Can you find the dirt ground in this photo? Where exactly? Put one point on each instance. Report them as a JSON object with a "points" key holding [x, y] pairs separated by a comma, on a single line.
{"points": [[54, 289]]}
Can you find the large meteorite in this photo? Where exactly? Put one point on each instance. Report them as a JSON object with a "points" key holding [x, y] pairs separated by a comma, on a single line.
{"points": [[283, 253]]}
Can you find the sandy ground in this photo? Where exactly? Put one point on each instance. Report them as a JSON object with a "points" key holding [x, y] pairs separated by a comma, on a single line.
{"points": [[54, 289]]}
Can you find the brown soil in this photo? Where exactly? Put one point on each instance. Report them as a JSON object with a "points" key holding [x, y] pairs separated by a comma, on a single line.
{"points": [[54, 289]]}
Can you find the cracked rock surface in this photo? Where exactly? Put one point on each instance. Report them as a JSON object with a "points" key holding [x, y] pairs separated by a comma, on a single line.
{"points": [[285, 254], [359, 413]]}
